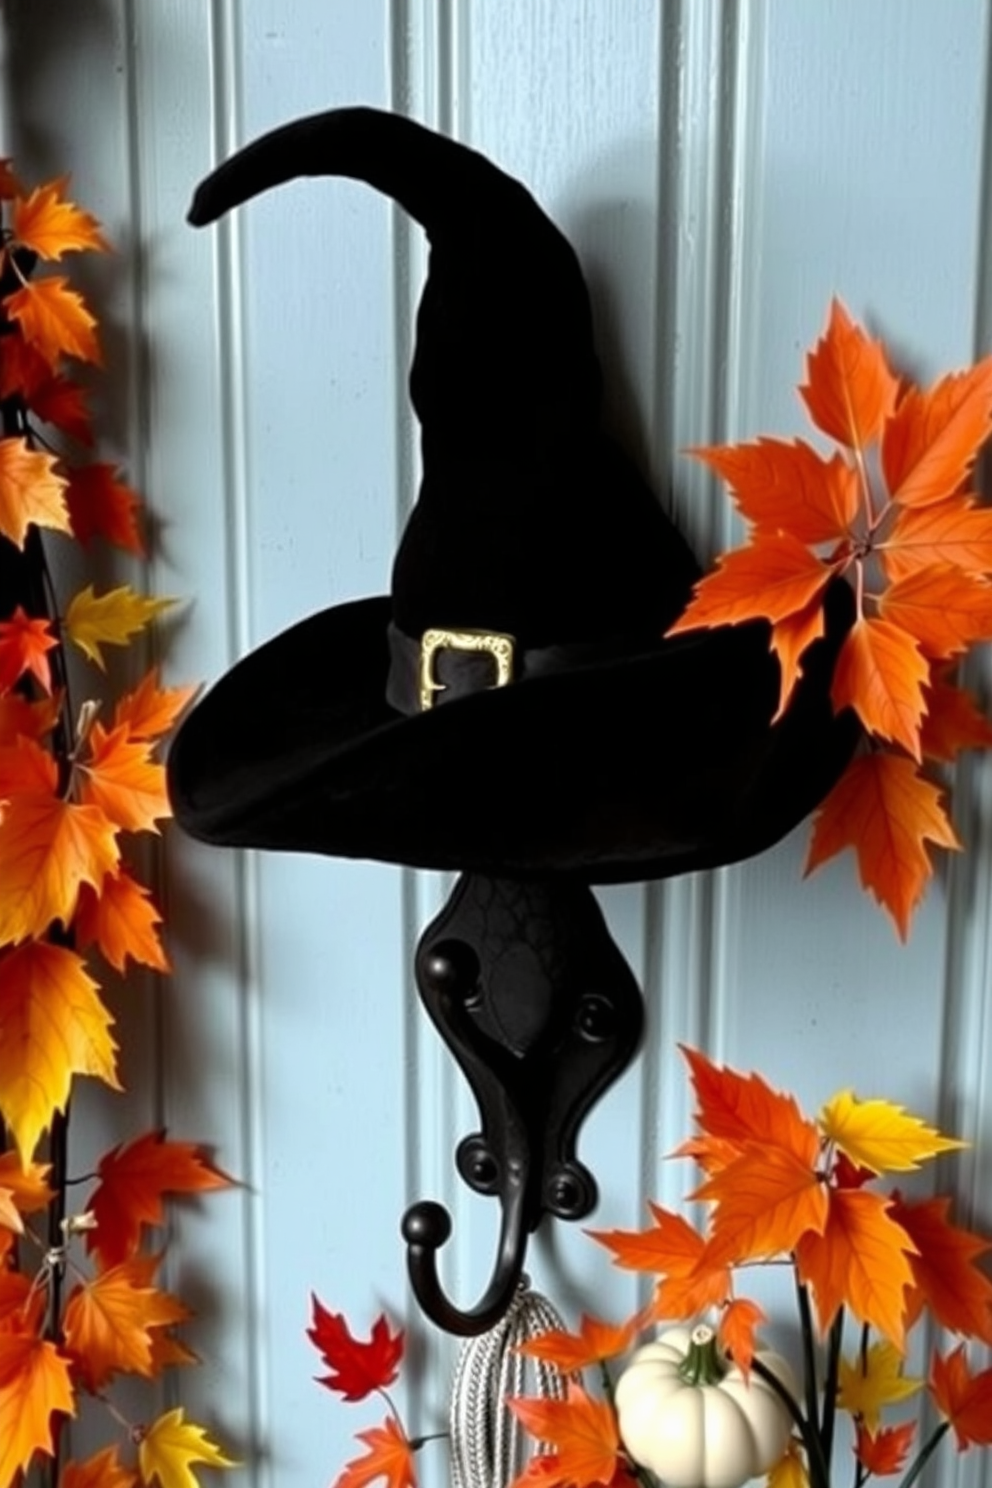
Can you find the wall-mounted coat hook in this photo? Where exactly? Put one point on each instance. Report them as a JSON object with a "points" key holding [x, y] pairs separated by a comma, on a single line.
{"points": [[528, 990]]}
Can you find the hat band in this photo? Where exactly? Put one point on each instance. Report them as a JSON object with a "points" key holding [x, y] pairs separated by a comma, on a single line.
{"points": [[443, 665]]}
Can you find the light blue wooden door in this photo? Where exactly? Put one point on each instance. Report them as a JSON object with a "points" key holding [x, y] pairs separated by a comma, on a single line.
{"points": [[722, 169]]}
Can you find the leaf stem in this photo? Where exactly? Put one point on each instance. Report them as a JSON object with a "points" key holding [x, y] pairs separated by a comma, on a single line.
{"points": [[809, 1356], [830, 1385], [819, 1472], [924, 1454]]}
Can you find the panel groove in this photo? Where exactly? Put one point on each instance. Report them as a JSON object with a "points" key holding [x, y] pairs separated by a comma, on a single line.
{"points": [[709, 100], [226, 95]]}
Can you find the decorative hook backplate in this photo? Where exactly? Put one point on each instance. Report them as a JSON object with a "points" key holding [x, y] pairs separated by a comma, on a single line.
{"points": [[528, 990]]}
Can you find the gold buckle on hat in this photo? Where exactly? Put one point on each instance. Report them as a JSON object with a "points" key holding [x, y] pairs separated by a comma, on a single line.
{"points": [[499, 647]]}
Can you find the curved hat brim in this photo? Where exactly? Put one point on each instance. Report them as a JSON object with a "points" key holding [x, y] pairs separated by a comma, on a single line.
{"points": [[662, 762]]}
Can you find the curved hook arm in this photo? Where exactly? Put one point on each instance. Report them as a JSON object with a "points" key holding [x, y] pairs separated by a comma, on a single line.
{"points": [[426, 1227]]}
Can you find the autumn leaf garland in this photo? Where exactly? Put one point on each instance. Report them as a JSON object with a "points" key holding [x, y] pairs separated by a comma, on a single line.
{"points": [[777, 1186], [75, 787], [893, 512]]}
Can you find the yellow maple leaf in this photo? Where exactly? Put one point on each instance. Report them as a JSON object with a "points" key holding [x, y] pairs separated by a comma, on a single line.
{"points": [[50, 225], [48, 848], [52, 1026], [872, 1381], [31, 491], [878, 1135], [790, 1472], [95, 620], [170, 1446]]}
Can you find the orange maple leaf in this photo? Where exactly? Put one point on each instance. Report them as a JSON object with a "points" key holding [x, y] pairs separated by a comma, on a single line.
{"points": [[772, 578], [886, 811], [31, 491], [861, 1261], [944, 609], [110, 1321], [881, 673], [932, 439], [133, 1181], [35, 1385], [123, 781], [27, 1184], [24, 645], [103, 1470], [946, 1277], [766, 1201], [389, 1456], [964, 1398], [48, 847], [123, 922], [50, 225], [101, 505], [743, 1108], [790, 639], [150, 710], [953, 722], [54, 319], [675, 1251], [736, 1334], [26, 767], [582, 1431], [52, 1026], [850, 391], [953, 531], [595, 1342], [884, 1452], [782, 486]]}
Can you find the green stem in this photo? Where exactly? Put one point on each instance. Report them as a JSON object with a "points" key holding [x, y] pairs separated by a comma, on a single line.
{"points": [[702, 1364], [819, 1473], [924, 1454]]}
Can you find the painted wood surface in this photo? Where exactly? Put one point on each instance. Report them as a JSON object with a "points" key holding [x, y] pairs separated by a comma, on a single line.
{"points": [[722, 170]]}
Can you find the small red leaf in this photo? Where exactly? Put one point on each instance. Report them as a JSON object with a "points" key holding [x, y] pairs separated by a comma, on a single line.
{"points": [[357, 1367]]}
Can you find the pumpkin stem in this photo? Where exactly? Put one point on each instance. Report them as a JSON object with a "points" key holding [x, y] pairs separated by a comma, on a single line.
{"points": [[702, 1364]]}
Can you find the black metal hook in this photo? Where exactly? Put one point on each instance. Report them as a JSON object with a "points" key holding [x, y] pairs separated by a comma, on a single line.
{"points": [[426, 1227], [528, 990]]}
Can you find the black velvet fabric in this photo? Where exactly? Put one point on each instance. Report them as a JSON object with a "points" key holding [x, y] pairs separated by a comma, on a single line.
{"points": [[658, 758]]}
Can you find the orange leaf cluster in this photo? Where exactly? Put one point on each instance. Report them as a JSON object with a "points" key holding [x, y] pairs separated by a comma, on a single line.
{"points": [[892, 512], [71, 795], [780, 1184]]}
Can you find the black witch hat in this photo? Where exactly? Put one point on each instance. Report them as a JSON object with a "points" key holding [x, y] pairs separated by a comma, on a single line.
{"points": [[511, 707]]}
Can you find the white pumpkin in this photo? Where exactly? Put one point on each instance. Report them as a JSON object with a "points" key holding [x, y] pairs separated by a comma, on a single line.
{"points": [[693, 1419]]}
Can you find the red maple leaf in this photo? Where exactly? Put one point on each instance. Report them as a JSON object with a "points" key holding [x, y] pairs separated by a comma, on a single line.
{"points": [[964, 1398], [884, 1452], [133, 1182], [357, 1367]]}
